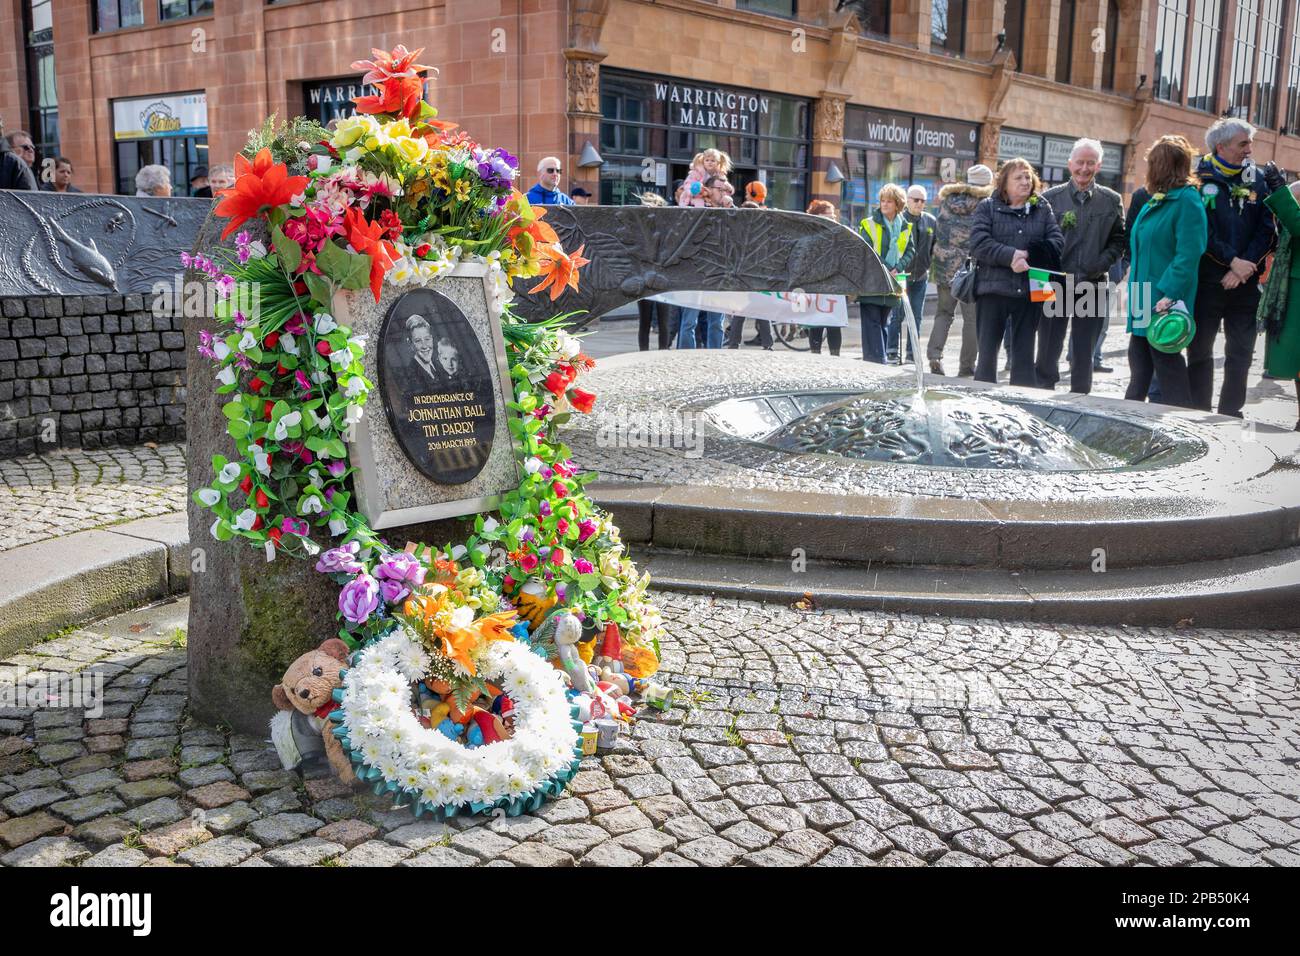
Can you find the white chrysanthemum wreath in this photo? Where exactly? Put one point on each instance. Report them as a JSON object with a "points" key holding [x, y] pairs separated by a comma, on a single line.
{"points": [[384, 738]]}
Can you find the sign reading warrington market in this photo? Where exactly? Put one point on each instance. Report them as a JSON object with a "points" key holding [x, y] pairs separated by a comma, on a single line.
{"points": [[441, 446]]}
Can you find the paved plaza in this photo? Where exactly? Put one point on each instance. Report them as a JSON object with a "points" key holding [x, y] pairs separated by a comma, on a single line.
{"points": [[798, 737]]}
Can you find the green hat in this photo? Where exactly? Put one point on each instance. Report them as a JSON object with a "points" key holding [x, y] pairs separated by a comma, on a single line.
{"points": [[1171, 331]]}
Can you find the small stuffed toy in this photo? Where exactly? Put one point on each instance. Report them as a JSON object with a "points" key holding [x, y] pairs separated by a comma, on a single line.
{"points": [[301, 731]]}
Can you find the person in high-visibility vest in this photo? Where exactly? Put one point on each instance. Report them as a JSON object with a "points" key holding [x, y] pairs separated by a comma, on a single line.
{"points": [[890, 235]]}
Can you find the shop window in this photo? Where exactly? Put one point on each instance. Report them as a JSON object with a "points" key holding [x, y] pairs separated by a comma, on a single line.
{"points": [[1013, 26], [179, 9], [1064, 40], [1111, 52], [1270, 61], [117, 14], [42, 94], [1171, 32], [1241, 77], [948, 26], [1292, 124], [873, 15], [179, 154], [777, 8], [1203, 64]]}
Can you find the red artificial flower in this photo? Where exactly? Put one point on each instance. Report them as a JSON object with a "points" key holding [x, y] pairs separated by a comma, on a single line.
{"points": [[260, 185], [268, 408], [256, 385], [582, 400], [272, 340], [556, 384], [569, 372], [559, 489], [583, 361], [368, 238], [280, 369], [423, 249], [558, 557], [274, 534], [260, 500], [247, 484], [257, 525], [392, 224]]}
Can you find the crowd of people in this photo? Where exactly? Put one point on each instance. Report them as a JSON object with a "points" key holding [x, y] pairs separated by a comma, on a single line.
{"points": [[1036, 272]]}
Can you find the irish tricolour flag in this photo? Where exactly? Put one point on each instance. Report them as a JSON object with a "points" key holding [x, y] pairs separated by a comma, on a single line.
{"points": [[1040, 286]]}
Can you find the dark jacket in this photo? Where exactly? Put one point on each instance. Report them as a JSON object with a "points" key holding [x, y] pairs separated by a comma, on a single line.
{"points": [[1238, 228], [49, 188], [924, 228], [1096, 240], [14, 173], [538, 196], [999, 231], [957, 202]]}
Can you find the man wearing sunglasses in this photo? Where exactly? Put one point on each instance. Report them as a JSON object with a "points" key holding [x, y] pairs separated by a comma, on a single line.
{"points": [[16, 166], [547, 191]]}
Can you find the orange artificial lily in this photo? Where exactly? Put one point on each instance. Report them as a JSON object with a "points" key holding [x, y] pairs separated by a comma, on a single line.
{"points": [[368, 239], [260, 185], [560, 269], [496, 627], [529, 223]]}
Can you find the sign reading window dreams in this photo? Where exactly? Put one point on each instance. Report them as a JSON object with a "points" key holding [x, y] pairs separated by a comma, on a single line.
{"points": [[711, 108], [150, 117], [905, 133]]}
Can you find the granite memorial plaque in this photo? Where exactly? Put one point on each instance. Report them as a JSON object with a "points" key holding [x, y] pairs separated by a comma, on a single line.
{"points": [[434, 441]]}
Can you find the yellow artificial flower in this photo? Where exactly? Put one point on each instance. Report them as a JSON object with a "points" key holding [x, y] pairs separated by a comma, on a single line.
{"points": [[351, 131], [410, 148], [462, 189]]}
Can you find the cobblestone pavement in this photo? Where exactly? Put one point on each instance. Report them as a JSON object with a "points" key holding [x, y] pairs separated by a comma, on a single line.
{"points": [[66, 491], [799, 737]]}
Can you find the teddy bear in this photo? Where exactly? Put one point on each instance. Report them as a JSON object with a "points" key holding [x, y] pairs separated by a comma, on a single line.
{"points": [[301, 731]]}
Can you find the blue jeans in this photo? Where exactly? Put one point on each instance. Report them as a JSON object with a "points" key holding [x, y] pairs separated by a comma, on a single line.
{"points": [[875, 319], [686, 335], [894, 345]]}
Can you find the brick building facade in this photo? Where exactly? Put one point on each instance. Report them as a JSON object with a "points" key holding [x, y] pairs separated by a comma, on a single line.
{"points": [[803, 91]]}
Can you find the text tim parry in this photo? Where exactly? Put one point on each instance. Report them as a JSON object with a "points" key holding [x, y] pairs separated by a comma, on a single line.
{"points": [[75, 909]]}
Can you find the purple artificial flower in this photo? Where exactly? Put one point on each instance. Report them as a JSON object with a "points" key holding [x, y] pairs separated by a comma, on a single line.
{"points": [[586, 528], [546, 472], [242, 243], [295, 326], [527, 533], [393, 591], [342, 560], [303, 382], [243, 362], [337, 467], [582, 566], [560, 592], [241, 320], [329, 494], [400, 566], [544, 509], [294, 526], [205, 345], [187, 260], [359, 598], [225, 284]]}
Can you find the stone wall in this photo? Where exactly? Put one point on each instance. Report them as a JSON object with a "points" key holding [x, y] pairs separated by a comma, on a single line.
{"points": [[88, 372]]}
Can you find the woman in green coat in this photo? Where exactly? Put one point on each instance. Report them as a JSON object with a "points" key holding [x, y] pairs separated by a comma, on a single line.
{"points": [[1279, 309], [1166, 242]]}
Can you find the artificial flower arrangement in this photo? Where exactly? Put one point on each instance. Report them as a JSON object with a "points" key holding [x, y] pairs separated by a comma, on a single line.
{"points": [[449, 701]]}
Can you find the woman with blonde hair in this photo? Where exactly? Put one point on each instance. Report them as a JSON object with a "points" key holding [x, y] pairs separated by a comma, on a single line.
{"points": [[1013, 229]]}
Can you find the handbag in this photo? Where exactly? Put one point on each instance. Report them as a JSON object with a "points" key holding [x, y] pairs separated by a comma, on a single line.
{"points": [[1171, 331], [962, 286]]}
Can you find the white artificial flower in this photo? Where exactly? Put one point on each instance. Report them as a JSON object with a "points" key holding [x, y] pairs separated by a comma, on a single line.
{"points": [[247, 342], [288, 343], [245, 520], [229, 473], [262, 462], [220, 349], [227, 375], [209, 496], [337, 526], [215, 525], [324, 323], [309, 505]]}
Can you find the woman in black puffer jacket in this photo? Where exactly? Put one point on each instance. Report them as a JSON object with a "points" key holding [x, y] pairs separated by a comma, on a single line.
{"points": [[1013, 230]]}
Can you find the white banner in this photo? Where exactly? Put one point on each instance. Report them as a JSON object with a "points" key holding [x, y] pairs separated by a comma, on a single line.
{"points": [[801, 308]]}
